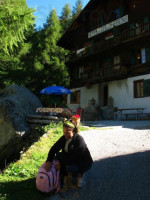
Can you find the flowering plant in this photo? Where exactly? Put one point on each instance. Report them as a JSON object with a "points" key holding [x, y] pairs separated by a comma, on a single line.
{"points": [[76, 116]]}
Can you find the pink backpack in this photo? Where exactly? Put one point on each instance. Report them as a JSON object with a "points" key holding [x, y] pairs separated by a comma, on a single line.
{"points": [[48, 182]]}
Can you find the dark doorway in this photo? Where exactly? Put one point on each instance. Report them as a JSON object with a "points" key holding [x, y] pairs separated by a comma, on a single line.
{"points": [[105, 95]]}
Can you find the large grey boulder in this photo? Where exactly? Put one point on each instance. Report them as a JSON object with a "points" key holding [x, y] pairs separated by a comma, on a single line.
{"points": [[16, 103]]}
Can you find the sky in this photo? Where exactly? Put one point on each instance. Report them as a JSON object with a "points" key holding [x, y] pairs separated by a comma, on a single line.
{"points": [[43, 8]]}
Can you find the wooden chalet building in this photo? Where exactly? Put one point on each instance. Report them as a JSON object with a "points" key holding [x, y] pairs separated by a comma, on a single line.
{"points": [[109, 56]]}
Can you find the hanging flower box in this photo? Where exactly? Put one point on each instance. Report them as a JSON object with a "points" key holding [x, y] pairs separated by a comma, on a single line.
{"points": [[88, 85], [109, 36], [87, 69], [87, 44]]}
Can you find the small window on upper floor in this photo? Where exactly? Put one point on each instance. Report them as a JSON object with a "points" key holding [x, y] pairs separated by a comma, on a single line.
{"points": [[140, 56], [116, 60], [118, 13], [97, 22], [108, 62], [135, 3], [116, 63]]}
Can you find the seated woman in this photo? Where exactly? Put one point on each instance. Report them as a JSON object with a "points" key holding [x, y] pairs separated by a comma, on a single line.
{"points": [[75, 158]]}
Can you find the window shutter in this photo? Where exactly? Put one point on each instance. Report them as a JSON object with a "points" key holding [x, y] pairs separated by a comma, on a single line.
{"points": [[116, 30], [133, 58], [92, 26], [76, 72], [148, 54], [132, 29], [147, 88], [108, 62], [91, 42], [146, 19], [146, 22], [131, 25], [121, 11], [101, 19]]}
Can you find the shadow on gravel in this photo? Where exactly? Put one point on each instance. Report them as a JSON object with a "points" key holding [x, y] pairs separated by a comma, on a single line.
{"points": [[124, 177], [120, 178], [139, 125]]}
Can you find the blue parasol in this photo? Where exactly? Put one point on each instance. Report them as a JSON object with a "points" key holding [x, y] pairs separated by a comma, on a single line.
{"points": [[56, 90]]}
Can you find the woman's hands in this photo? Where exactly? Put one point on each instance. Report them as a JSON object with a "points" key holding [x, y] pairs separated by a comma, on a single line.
{"points": [[48, 166], [57, 165]]}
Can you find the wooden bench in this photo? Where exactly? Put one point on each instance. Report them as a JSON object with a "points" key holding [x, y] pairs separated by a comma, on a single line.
{"points": [[137, 112]]}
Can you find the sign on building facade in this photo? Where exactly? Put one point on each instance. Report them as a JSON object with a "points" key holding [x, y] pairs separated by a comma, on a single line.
{"points": [[109, 26]]}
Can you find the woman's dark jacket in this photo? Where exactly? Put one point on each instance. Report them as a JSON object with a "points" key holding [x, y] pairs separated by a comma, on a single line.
{"points": [[78, 153]]}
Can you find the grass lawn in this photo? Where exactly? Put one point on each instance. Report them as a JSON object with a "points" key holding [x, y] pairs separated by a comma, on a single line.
{"points": [[17, 182]]}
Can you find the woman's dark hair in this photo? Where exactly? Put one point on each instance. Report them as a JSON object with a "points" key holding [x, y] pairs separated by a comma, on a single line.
{"points": [[74, 127]]}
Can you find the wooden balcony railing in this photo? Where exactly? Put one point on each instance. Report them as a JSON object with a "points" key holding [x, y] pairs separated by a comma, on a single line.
{"points": [[114, 70], [131, 34], [106, 73]]}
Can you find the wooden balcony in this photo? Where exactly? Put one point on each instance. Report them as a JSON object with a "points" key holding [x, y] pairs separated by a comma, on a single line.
{"points": [[125, 36], [114, 71], [107, 73]]}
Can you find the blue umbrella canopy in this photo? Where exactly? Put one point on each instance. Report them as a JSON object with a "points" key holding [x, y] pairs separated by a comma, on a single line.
{"points": [[56, 90]]}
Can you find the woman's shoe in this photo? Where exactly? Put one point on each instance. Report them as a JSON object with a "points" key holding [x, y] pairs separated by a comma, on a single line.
{"points": [[70, 181], [65, 185], [81, 181]]}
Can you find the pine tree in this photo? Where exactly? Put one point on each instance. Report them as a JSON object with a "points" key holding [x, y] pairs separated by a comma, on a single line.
{"points": [[49, 58], [52, 35], [65, 18], [77, 9], [15, 19]]}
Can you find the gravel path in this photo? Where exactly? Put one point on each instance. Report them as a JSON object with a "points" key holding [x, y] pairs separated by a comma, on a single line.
{"points": [[121, 169]]}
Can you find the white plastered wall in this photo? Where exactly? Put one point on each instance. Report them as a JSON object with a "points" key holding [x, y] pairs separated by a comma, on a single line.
{"points": [[122, 93], [85, 95]]}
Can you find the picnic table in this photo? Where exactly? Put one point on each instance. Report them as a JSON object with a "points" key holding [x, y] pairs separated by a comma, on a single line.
{"points": [[128, 111], [64, 112]]}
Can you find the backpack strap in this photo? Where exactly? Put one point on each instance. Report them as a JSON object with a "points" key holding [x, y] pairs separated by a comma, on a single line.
{"points": [[57, 179]]}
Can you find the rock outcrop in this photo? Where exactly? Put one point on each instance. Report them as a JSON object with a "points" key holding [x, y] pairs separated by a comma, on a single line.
{"points": [[16, 103]]}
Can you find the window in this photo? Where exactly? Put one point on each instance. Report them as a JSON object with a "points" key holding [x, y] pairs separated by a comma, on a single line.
{"points": [[76, 72], [75, 97], [117, 63], [140, 56], [138, 89], [108, 62], [97, 22], [143, 55], [116, 60], [135, 4], [81, 70], [118, 13]]}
